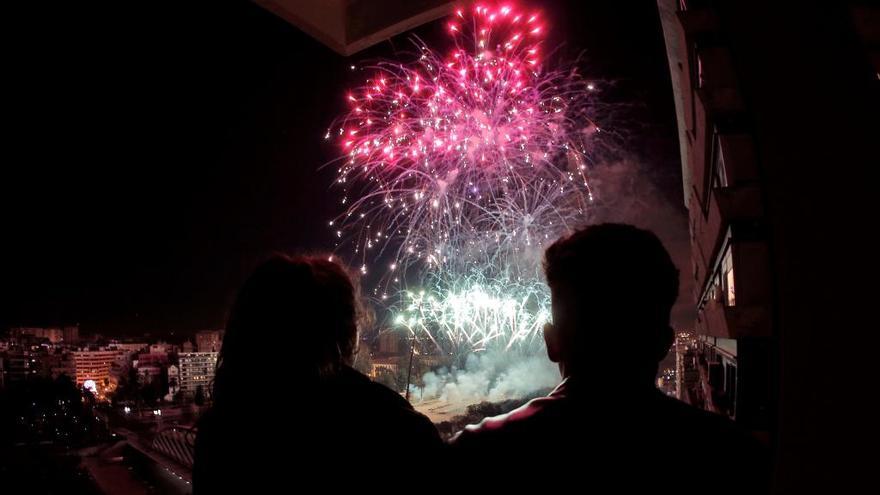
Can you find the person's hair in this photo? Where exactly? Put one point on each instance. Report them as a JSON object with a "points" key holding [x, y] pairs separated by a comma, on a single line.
{"points": [[300, 313], [616, 277]]}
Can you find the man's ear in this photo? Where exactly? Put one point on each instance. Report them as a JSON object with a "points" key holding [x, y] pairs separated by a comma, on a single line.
{"points": [[551, 339]]}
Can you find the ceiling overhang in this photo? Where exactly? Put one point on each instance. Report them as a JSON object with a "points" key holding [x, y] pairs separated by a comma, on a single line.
{"points": [[349, 26]]}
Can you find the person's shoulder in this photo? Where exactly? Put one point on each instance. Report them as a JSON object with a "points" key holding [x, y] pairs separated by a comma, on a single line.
{"points": [[722, 441], [389, 406], [393, 401], [688, 414], [514, 423], [378, 395], [709, 426]]}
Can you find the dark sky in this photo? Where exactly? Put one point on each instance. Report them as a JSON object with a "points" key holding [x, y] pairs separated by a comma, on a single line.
{"points": [[159, 149]]}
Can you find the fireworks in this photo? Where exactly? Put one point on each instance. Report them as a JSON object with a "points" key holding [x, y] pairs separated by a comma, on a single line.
{"points": [[457, 168], [475, 316]]}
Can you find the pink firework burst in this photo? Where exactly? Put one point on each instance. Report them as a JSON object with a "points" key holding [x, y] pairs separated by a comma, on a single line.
{"points": [[458, 155]]}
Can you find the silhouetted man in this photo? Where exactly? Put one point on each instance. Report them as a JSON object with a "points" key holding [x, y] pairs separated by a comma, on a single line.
{"points": [[606, 428]]}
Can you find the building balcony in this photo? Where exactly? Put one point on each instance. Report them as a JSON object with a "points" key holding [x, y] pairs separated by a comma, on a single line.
{"points": [[739, 203], [707, 227], [696, 21], [720, 102], [747, 313], [726, 195], [733, 322], [715, 99]]}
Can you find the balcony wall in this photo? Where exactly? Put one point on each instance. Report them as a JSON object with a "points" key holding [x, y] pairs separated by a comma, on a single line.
{"points": [[751, 316]]}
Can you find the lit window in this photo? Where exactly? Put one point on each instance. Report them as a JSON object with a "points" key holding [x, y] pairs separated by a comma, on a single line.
{"points": [[727, 278], [700, 80]]}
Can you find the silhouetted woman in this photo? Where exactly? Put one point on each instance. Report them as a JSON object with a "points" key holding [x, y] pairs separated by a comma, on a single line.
{"points": [[289, 412]]}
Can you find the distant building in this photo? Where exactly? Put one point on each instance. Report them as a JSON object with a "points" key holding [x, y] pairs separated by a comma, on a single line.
{"points": [[129, 346], [151, 359], [389, 363], [94, 365], [209, 340], [391, 343], [59, 363], [48, 361], [71, 334], [21, 365], [159, 348], [187, 346], [197, 369], [687, 375], [54, 335]]}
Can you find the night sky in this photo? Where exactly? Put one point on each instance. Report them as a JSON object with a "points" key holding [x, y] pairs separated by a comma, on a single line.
{"points": [[158, 150]]}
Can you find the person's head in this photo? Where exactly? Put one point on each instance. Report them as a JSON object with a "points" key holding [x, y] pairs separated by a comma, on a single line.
{"points": [[612, 289], [295, 318]]}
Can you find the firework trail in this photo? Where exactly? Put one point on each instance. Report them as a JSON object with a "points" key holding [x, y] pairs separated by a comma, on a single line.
{"points": [[457, 168]]}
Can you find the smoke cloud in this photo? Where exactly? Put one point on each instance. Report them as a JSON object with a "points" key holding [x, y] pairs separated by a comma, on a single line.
{"points": [[493, 376]]}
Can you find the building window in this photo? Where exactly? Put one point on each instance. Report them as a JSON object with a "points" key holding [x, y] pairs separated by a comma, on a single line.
{"points": [[730, 388], [716, 283], [728, 286], [700, 80], [719, 171]]}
